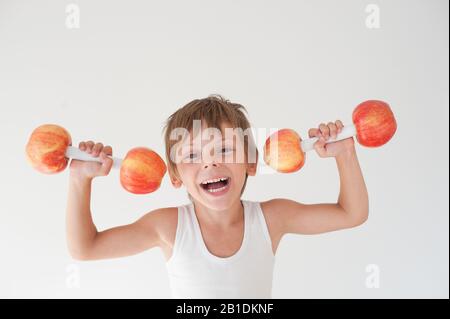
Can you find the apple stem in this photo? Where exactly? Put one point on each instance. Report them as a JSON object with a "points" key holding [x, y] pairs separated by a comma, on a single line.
{"points": [[76, 153], [347, 131]]}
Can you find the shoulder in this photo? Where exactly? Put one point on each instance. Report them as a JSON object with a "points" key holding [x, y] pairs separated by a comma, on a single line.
{"points": [[275, 206], [278, 211], [164, 222], [270, 209], [279, 206], [273, 214]]}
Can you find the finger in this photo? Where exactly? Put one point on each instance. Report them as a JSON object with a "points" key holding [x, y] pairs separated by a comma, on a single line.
{"points": [[89, 146], [339, 125], [333, 129], [107, 150], [319, 146], [107, 163], [324, 130], [82, 146], [313, 132], [96, 149], [320, 141]]}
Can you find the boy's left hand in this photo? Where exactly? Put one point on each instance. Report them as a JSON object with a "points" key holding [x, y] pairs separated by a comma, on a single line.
{"points": [[325, 132]]}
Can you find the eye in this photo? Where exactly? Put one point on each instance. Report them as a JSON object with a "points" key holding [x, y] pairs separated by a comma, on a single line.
{"points": [[191, 156], [227, 149]]}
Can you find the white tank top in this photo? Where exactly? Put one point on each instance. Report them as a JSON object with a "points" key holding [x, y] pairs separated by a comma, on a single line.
{"points": [[196, 273]]}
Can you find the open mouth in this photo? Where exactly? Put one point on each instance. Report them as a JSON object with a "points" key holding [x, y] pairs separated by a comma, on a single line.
{"points": [[215, 185]]}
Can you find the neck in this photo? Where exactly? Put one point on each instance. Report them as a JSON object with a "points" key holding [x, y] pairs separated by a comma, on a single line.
{"points": [[222, 218]]}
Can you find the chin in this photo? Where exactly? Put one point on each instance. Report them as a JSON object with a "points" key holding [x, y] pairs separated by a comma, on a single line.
{"points": [[217, 201]]}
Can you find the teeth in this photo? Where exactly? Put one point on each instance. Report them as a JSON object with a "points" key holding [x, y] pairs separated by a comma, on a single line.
{"points": [[215, 180], [216, 190]]}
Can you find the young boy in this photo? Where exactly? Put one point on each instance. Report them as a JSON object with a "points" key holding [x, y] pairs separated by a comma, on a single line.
{"points": [[218, 245]]}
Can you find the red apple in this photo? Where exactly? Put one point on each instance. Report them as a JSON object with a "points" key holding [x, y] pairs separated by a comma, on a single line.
{"points": [[375, 123], [142, 170], [282, 151], [46, 148]]}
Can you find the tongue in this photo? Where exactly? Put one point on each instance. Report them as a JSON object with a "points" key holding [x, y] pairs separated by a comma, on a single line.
{"points": [[216, 185]]}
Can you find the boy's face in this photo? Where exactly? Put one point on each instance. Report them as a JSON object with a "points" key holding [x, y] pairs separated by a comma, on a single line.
{"points": [[213, 170]]}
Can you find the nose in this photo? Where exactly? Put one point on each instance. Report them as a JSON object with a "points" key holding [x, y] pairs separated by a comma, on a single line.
{"points": [[211, 159], [213, 164]]}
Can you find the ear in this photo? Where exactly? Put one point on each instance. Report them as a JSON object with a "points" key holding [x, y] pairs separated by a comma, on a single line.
{"points": [[176, 182], [252, 165], [251, 169]]}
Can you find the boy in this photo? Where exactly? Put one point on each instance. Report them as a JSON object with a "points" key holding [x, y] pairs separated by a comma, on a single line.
{"points": [[217, 246]]}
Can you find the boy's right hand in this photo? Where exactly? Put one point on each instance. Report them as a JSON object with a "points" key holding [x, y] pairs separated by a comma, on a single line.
{"points": [[87, 169]]}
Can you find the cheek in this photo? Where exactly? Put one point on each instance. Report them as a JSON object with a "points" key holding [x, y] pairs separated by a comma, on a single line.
{"points": [[238, 171], [184, 169], [187, 174]]}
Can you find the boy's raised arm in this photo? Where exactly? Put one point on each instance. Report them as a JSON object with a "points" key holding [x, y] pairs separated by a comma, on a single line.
{"points": [[351, 208], [83, 239]]}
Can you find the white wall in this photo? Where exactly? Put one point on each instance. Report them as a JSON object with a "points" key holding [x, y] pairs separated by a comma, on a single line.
{"points": [[292, 64]]}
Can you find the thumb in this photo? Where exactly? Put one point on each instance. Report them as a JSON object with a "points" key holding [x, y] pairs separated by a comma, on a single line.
{"points": [[319, 146], [106, 164]]}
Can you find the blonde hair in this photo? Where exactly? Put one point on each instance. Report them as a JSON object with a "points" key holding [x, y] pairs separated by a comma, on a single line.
{"points": [[214, 110]]}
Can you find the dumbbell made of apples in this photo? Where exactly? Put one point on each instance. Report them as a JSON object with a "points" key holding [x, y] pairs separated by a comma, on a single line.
{"points": [[374, 125], [49, 149]]}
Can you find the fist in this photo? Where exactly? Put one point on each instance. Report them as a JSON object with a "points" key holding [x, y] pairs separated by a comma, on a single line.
{"points": [[93, 169], [326, 131]]}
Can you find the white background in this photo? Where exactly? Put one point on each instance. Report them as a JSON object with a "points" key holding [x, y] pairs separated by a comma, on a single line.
{"points": [[292, 64]]}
